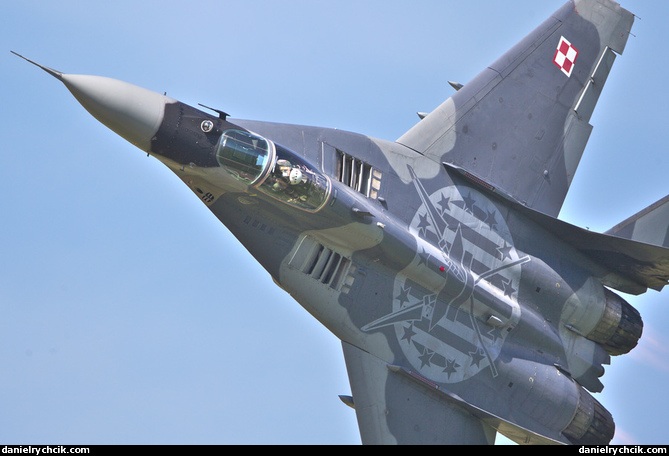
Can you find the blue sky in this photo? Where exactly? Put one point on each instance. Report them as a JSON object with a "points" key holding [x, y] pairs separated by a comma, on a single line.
{"points": [[129, 314]]}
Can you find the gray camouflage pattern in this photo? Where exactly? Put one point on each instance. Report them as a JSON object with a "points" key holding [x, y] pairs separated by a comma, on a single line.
{"points": [[464, 306]]}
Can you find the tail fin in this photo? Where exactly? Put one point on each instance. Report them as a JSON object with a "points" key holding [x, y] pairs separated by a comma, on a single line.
{"points": [[650, 226]]}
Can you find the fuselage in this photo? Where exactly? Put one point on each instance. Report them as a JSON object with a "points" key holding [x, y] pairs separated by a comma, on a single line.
{"points": [[425, 273]]}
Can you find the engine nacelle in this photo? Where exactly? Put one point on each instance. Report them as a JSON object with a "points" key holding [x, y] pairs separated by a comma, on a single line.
{"points": [[620, 327], [549, 402], [592, 423], [603, 317]]}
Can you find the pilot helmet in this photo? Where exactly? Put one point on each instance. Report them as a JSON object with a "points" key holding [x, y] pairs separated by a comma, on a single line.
{"points": [[295, 176]]}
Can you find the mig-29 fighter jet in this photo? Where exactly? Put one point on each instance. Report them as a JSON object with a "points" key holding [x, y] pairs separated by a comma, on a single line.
{"points": [[464, 306]]}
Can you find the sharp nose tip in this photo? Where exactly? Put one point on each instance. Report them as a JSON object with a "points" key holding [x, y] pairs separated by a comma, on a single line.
{"points": [[130, 111]]}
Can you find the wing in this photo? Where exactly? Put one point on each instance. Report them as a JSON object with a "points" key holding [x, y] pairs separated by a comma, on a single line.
{"points": [[522, 124], [396, 406]]}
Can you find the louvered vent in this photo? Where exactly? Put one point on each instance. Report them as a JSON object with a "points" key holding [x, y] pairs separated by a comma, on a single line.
{"points": [[323, 264], [358, 175]]}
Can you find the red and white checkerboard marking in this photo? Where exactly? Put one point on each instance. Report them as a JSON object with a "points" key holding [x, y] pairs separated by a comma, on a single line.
{"points": [[565, 56]]}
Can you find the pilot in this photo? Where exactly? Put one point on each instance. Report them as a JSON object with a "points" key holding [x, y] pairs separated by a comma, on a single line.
{"points": [[278, 176], [283, 166]]}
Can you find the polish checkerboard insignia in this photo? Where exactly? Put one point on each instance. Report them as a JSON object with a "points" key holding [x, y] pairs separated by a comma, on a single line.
{"points": [[565, 56]]}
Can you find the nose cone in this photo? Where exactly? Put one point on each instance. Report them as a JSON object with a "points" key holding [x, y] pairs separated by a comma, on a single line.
{"points": [[130, 111]]}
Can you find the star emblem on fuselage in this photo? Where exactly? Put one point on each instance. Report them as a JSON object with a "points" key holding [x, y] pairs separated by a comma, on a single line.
{"points": [[467, 251]]}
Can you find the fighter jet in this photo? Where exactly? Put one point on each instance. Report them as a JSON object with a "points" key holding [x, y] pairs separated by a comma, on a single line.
{"points": [[464, 306]]}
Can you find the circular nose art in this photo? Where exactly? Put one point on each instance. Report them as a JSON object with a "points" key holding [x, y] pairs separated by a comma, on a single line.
{"points": [[207, 126]]}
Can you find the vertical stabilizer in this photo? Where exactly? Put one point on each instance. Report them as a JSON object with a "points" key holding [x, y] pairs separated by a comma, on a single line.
{"points": [[650, 226]]}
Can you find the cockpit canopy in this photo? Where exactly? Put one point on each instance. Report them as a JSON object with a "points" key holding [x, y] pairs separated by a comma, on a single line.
{"points": [[273, 169], [242, 154]]}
